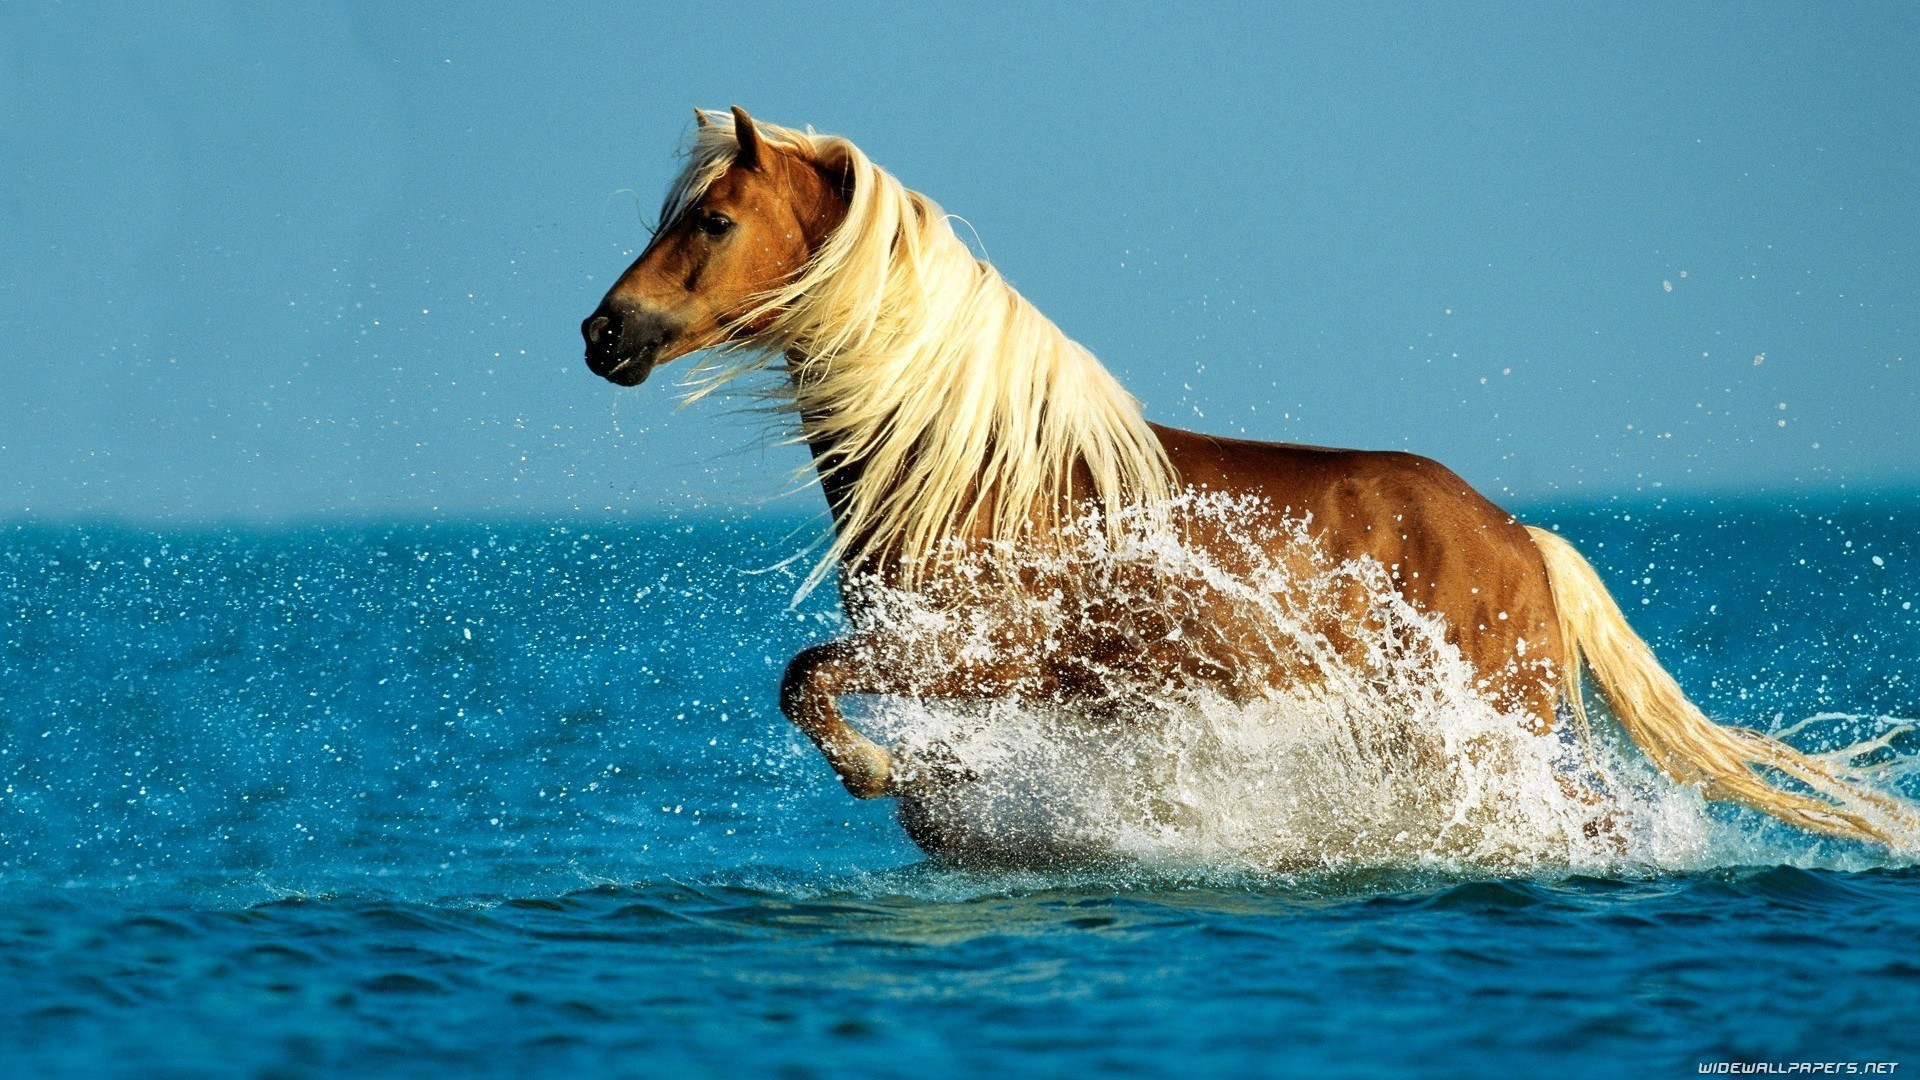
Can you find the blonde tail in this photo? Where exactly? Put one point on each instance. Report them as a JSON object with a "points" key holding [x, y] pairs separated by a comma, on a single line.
{"points": [[1680, 739]]}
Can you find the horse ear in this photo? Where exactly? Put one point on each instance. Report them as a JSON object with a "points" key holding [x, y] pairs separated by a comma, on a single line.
{"points": [[749, 155], [700, 117]]}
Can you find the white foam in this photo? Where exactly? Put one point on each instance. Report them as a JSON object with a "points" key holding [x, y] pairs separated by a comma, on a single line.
{"points": [[1392, 759]]}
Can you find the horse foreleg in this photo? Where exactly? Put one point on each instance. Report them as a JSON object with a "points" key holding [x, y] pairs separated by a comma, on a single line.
{"points": [[814, 679], [819, 675]]}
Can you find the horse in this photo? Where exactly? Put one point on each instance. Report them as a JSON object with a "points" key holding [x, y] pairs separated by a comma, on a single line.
{"points": [[946, 416]]}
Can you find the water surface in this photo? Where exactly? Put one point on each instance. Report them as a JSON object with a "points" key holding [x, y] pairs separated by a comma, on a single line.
{"points": [[512, 799]]}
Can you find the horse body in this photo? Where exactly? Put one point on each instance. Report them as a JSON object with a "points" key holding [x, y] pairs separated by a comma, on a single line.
{"points": [[1448, 549], [952, 426]]}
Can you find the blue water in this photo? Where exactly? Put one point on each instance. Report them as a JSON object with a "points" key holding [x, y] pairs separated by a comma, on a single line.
{"points": [[516, 799]]}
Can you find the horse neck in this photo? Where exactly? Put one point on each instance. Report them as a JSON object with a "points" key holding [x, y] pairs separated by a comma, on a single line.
{"points": [[838, 475]]}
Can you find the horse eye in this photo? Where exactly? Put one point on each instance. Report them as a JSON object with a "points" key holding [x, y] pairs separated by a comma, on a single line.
{"points": [[714, 224]]}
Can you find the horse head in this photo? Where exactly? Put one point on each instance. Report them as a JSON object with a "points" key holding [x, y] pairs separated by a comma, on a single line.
{"points": [[742, 235]]}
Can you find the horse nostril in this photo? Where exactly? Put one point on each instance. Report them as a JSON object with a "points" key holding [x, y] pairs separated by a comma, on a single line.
{"points": [[600, 329]]}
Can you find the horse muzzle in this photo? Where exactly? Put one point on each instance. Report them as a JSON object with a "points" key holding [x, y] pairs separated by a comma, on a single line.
{"points": [[624, 343]]}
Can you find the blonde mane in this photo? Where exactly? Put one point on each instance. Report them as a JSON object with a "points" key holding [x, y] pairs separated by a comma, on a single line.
{"points": [[959, 410]]}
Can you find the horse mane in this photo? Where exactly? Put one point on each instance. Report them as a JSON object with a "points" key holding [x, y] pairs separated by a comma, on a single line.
{"points": [[956, 411]]}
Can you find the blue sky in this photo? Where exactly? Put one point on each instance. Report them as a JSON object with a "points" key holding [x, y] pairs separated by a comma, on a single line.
{"points": [[272, 262]]}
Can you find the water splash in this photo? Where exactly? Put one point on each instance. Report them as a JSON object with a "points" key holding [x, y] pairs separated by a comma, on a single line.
{"points": [[483, 711], [1387, 756]]}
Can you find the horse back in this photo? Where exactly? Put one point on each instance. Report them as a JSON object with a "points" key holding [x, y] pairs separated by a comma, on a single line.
{"points": [[1450, 551]]}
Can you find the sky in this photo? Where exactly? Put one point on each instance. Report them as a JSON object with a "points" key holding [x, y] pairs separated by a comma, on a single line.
{"points": [[324, 261]]}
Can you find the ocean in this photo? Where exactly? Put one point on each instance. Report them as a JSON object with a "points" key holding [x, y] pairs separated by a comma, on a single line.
{"points": [[516, 799]]}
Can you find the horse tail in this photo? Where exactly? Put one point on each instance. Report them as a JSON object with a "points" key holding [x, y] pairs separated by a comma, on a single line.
{"points": [[1680, 739]]}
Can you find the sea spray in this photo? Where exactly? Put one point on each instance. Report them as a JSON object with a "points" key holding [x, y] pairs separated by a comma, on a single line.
{"points": [[1381, 751], [305, 709]]}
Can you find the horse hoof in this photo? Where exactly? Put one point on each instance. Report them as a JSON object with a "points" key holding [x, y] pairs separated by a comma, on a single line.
{"points": [[868, 773]]}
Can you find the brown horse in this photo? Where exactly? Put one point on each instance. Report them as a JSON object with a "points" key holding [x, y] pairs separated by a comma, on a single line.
{"points": [[947, 418]]}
